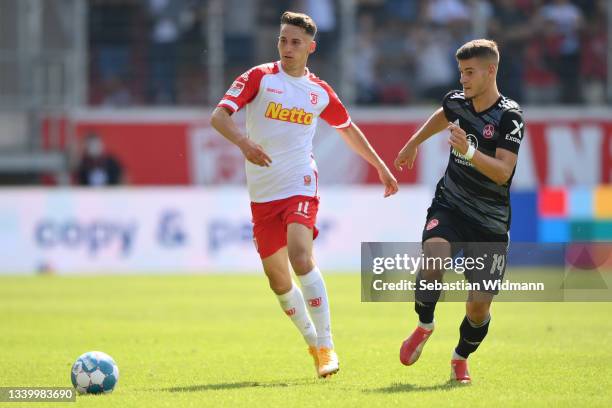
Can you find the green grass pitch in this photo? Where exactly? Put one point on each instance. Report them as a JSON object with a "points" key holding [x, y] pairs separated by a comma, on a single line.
{"points": [[197, 341]]}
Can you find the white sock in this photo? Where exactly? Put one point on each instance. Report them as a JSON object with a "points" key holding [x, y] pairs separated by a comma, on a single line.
{"points": [[457, 356], [318, 305], [293, 305], [428, 326]]}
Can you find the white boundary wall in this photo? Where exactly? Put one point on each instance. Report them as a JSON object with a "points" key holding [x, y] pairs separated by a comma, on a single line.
{"points": [[184, 230]]}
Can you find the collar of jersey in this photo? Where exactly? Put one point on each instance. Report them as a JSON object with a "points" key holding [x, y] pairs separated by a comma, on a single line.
{"points": [[488, 109], [290, 77]]}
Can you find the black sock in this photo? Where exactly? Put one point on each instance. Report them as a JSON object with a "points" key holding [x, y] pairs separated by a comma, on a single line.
{"points": [[470, 336], [425, 303]]}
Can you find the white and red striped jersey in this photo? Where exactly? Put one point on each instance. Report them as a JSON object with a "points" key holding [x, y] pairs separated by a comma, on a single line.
{"points": [[282, 114]]}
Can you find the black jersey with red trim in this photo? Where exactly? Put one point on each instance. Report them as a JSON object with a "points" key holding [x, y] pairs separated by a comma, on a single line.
{"points": [[464, 189]]}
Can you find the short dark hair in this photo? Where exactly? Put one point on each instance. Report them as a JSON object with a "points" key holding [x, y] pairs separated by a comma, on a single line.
{"points": [[300, 20], [481, 48]]}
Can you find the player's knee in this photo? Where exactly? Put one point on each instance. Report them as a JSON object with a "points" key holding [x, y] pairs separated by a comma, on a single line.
{"points": [[279, 278], [301, 261], [477, 312], [435, 251], [280, 286], [437, 248]]}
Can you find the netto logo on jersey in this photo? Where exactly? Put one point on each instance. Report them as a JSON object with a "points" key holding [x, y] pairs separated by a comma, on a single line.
{"points": [[293, 115]]}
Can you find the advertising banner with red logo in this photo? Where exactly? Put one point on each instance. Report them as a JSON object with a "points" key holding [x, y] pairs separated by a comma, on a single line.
{"points": [[569, 147]]}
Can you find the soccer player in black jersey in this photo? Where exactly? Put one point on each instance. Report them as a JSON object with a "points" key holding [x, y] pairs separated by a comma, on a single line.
{"points": [[470, 212]]}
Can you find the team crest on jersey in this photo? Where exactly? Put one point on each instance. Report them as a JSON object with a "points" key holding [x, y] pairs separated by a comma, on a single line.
{"points": [[488, 131], [433, 223], [307, 180], [236, 89], [314, 98]]}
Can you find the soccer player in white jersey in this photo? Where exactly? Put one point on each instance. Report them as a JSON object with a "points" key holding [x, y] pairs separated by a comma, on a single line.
{"points": [[284, 101]]}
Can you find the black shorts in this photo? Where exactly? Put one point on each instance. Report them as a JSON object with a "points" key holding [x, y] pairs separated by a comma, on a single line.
{"points": [[490, 250]]}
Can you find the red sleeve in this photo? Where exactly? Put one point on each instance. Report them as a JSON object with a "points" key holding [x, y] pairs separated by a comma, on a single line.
{"points": [[334, 113], [243, 90]]}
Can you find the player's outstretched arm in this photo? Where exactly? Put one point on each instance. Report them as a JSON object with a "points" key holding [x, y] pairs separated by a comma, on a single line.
{"points": [[354, 137], [436, 123], [224, 124]]}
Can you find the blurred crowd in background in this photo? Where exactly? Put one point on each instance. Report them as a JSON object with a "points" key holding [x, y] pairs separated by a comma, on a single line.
{"points": [[153, 52]]}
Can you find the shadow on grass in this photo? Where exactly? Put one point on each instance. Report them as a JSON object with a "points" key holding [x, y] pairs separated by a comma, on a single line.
{"points": [[237, 385], [400, 387]]}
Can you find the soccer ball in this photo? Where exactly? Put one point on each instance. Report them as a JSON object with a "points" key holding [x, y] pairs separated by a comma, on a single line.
{"points": [[94, 373]]}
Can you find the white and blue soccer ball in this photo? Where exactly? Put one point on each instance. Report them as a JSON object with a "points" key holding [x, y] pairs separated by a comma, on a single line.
{"points": [[94, 373]]}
